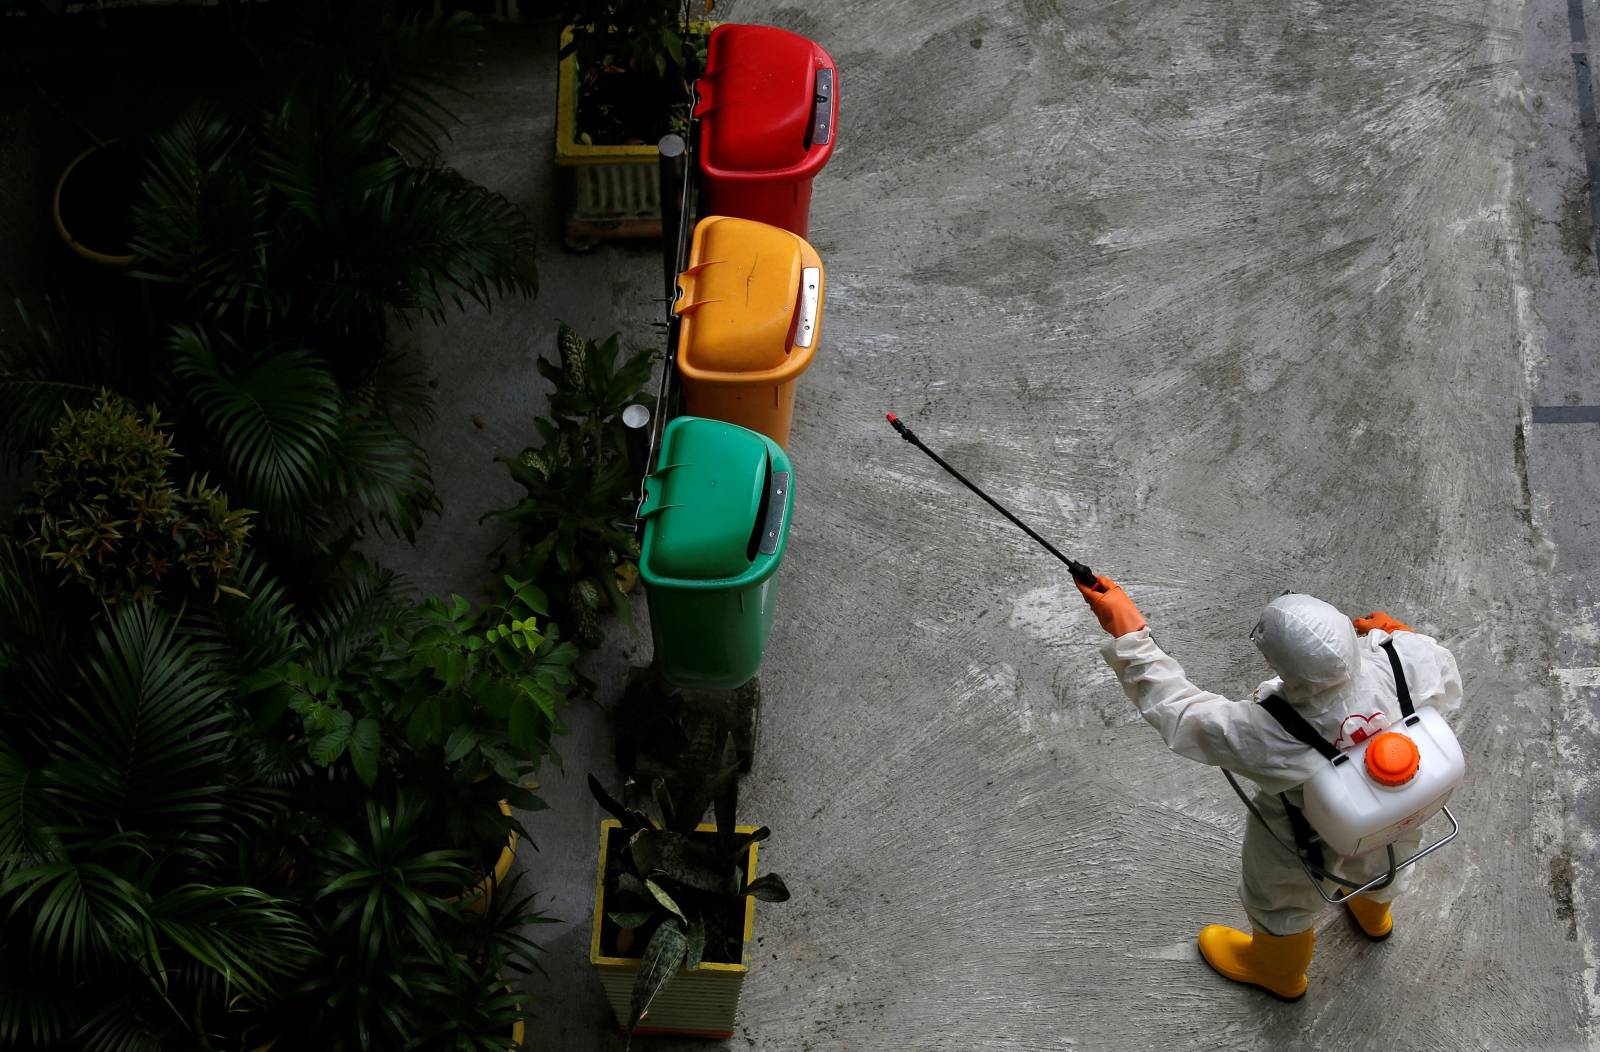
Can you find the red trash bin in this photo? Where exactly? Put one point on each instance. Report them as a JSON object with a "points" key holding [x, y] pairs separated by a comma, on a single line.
{"points": [[769, 105]]}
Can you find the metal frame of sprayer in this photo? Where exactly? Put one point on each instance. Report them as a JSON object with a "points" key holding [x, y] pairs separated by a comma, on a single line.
{"points": [[1318, 874], [1085, 576]]}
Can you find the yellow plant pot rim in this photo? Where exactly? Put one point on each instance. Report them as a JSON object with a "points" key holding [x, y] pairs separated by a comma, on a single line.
{"points": [[61, 227], [502, 866], [569, 151], [631, 964]]}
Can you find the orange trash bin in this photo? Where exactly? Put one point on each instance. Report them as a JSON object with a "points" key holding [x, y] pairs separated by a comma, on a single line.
{"points": [[750, 306]]}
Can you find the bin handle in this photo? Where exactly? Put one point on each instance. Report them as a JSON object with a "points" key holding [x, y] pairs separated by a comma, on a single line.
{"points": [[705, 89], [644, 512], [821, 131], [810, 300], [777, 502], [686, 288]]}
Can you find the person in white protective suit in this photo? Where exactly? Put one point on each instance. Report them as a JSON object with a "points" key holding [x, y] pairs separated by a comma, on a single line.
{"points": [[1336, 674]]}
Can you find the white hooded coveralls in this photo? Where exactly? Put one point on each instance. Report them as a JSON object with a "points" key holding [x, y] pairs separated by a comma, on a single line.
{"points": [[1329, 674]]}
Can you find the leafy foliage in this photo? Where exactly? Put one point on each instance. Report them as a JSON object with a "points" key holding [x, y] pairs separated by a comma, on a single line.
{"points": [[402, 964], [106, 514], [459, 707], [62, 359], [121, 817], [252, 819], [307, 221], [678, 890], [632, 56], [576, 518]]}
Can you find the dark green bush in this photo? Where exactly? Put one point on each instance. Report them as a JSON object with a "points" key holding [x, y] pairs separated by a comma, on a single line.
{"points": [[106, 512]]}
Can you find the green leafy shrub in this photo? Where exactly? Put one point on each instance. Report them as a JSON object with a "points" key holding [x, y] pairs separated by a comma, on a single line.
{"points": [[106, 512], [459, 707], [401, 964], [677, 891], [124, 921], [575, 522]]}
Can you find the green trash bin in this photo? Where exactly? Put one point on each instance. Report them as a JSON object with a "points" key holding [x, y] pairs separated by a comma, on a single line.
{"points": [[716, 521]]}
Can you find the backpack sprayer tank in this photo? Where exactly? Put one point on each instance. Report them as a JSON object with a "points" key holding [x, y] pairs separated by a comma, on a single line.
{"points": [[1385, 786]]}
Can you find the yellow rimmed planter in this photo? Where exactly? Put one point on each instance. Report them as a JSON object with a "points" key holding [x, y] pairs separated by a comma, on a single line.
{"points": [[702, 1002], [614, 192], [477, 898], [105, 255]]}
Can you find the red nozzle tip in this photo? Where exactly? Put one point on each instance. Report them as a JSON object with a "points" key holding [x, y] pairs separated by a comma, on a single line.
{"points": [[890, 417]]}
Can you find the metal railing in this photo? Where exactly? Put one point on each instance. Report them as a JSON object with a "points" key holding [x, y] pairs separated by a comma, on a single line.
{"points": [[678, 200]]}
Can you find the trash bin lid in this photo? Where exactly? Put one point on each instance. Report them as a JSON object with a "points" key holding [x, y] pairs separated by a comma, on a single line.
{"points": [[744, 284], [761, 83], [704, 503]]}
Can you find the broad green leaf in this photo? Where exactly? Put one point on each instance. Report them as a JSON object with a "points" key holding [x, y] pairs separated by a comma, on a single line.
{"points": [[635, 919], [462, 741], [525, 799], [332, 744], [768, 887], [365, 745], [658, 965], [659, 893], [688, 861], [696, 947]]}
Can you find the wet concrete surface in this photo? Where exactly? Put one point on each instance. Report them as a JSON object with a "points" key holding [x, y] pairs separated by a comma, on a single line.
{"points": [[1227, 299]]}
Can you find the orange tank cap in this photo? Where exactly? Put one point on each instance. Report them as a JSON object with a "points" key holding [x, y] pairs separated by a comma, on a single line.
{"points": [[1392, 759]]}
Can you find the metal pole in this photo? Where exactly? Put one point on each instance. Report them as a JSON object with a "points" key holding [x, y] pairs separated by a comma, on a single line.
{"points": [[674, 169], [678, 202]]}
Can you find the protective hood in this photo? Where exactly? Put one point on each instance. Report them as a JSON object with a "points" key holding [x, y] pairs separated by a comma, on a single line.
{"points": [[1309, 643]]}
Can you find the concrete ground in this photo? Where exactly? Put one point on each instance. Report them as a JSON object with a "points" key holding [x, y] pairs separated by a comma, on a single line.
{"points": [[1228, 299]]}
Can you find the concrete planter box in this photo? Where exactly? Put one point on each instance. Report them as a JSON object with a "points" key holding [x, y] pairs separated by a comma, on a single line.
{"points": [[702, 1003], [612, 191]]}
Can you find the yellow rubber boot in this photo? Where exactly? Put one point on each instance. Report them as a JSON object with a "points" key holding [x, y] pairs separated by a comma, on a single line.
{"points": [[1276, 963], [1371, 915]]}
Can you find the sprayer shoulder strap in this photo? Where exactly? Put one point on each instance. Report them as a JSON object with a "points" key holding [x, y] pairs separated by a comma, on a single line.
{"points": [[1400, 686], [1305, 838], [1290, 720]]}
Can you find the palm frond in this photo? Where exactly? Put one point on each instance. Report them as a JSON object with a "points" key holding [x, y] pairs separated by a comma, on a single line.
{"points": [[380, 472], [447, 239], [25, 628], [38, 1008], [58, 359], [25, 830], [201, 219], [360, 602], [147, 716], [243, 934], [276, 417], [117, 1027], [251, 632], [80, 911]]}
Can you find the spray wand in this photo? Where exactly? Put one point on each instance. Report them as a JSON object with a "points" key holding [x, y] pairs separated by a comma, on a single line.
{"points": [[1081, 573]]}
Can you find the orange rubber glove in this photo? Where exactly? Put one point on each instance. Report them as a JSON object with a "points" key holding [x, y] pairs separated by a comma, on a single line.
{"points": [[1111, 605], [1381, 620]]}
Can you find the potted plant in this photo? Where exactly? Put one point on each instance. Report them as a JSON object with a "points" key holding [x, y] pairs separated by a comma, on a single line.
{"points": [[93, 203], [674, 909], [575, 522], [626, 72], [399, 963]]}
